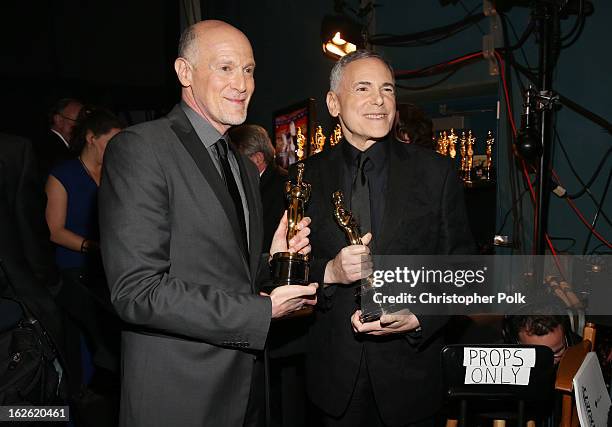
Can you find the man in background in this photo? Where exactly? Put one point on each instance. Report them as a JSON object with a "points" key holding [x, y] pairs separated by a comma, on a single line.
{"points": [[55, 146], [253, 141], [26, 255], [287, 339], [540, 329]]}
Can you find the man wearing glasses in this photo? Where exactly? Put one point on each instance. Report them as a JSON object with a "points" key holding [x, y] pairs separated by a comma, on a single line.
{"points": [[541, 329], [55, 147]]}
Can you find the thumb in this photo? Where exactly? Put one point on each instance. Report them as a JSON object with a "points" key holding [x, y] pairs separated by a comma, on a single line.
{"points": [[387, 319], [282, 225], [365, 240]]}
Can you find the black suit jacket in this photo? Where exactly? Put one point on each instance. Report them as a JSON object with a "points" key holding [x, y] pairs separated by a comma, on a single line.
{"points": [[272, 189], [424, 213], [51, 150]]}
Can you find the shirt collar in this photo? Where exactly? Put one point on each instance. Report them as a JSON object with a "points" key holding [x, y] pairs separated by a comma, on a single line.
{"points": [[61, 137], [205, 131], [377, 153]]}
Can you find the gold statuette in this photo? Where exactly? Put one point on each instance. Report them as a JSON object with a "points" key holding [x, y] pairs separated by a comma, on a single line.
{"points": [[301, 144], [470, 156], [319, 140], [452, 142], [439, 144], [337, 135], [444, 144], [463, 152], [291, 268], [344, 218], [489, 153]]}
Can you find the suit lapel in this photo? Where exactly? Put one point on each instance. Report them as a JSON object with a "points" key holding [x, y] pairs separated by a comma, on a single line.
{"points": [[265, 177], [255, 215], [332, 180], [397, 182], [190, 140]]}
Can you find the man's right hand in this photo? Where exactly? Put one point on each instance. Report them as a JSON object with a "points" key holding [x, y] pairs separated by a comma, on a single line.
{"points": [[289, 298], [352, 263]]}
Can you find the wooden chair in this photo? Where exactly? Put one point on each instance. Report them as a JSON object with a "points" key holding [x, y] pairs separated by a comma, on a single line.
{"points": [[539, 389], [568, 366]]}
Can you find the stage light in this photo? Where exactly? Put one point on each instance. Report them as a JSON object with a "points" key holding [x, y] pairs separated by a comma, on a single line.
{"points": [[340, 36]]}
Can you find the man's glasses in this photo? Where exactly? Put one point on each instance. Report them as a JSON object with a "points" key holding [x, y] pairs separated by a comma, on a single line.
{"points": [[66, 117], [557, 355]]}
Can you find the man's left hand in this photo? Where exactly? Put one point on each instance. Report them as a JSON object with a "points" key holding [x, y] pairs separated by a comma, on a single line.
{"points": [[395, 323], [299, 243]]}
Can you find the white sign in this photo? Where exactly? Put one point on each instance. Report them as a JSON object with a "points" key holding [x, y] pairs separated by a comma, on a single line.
{"points": [[592, 398], [504, 365]]}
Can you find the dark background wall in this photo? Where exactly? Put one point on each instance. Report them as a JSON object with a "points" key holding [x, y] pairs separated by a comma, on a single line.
{"points": [[120, 54]]}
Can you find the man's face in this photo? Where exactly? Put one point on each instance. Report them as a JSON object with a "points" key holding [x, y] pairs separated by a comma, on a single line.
{"points": [[555, 339], [364, 101], [220, 81], [65, 121]]}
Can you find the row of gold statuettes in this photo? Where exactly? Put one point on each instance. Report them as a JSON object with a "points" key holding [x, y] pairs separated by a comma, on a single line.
{"points": [[317, 142], [448, 144]]}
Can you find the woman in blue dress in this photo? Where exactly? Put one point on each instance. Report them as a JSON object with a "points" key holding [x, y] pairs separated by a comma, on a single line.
{"points": [[72, 217]]}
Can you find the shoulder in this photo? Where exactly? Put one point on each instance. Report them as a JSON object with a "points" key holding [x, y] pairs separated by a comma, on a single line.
{"points": [[141, 139], [421, 159], [315, 163], [66, 168], [13, 146]]}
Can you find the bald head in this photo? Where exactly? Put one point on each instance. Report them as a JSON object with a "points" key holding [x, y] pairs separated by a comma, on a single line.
{"points": [[203, 34], [215, 68]]}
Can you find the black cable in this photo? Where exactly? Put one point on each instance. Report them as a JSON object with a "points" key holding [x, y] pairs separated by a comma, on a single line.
{"points": [[579, 18], [441, 67], [509, 211], [515, 178], [518, 46], [576, 36], [571, 166], [593, 177], [596, 216], [429, 86], [469, 12], [594, 250], [423, 37], [565, 239], [576, 175], [524, 37]]}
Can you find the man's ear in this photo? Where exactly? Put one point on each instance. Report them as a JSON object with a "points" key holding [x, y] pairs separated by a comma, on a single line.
{"points": [[183, 71], [258, 158], [332, 104]]}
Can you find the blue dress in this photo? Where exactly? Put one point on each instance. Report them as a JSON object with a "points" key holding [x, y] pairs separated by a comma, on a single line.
{"points": [[81, 212]]}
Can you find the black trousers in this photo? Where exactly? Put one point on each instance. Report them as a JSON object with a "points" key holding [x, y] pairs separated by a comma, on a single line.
{"points": [[256, 408], [362, 410]]}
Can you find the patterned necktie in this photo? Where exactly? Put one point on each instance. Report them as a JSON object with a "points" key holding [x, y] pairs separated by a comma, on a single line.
{"points": [[360, 195], [232, 187]]}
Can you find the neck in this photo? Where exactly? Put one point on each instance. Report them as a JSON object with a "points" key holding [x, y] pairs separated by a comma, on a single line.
{"points": [[191, 102], [89, 160]]}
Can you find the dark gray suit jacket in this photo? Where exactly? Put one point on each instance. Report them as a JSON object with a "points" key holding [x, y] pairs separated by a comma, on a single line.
{"points": [[170, 246]]}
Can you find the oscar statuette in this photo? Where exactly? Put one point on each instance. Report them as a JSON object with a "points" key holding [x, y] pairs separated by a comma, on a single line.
{"points": [[291, 268], [344, 218]]}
